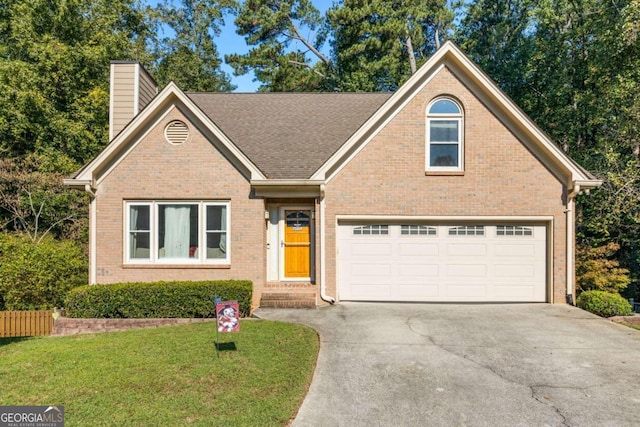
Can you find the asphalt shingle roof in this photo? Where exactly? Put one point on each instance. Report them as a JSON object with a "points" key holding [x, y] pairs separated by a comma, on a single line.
{"points": [[289, 135]]}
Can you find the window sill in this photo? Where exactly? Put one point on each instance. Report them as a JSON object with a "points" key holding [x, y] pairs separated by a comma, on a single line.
{"points": [[177, 266], [444, 173]]}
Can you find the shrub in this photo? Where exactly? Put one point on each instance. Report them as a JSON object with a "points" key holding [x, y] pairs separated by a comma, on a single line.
{"points": [[595, 270], [604, 304], [156, 300], [37, 275]]}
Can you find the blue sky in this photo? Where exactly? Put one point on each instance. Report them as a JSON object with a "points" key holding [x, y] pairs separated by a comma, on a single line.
{"points": [[230, 42]]}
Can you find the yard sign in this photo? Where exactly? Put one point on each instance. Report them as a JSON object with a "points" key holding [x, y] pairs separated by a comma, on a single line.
{"points": [[228, 316]]}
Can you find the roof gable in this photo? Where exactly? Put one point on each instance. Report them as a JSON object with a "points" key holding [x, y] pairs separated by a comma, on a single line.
{"points": [[170, 96], [487, 91]]}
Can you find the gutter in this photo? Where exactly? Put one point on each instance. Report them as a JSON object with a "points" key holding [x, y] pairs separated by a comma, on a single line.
{"points": [[87, 187], [579, 186], [571, 242], [323, 269]]}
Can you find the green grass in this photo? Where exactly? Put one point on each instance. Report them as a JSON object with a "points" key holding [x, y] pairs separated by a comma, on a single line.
{"points": [[631, 325], [165, 376]]}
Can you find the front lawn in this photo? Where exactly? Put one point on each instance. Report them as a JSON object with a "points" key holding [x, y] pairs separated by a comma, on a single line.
{"points": [[165, 376]]}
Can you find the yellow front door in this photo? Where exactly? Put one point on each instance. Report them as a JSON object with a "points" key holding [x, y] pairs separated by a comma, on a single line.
{"points": [[297, 244]]}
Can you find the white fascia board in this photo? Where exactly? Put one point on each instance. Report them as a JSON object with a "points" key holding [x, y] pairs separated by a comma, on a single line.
{"points": [[169, 93]]}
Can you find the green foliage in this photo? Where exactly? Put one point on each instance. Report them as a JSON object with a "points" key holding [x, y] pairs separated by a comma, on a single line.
{"points": [[604, 304], [36, 276], [54, 72], [34, 201], [281, 57], [497, 35], [157, 300], [190, 57], [378, 44], [596, 270]]}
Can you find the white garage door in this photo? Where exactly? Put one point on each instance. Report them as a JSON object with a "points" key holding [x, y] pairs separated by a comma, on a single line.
{"points": [[442, 262]]}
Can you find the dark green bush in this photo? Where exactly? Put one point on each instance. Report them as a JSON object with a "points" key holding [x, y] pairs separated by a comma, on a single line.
{"points": [[604, 304], [38, 275], [156, 300]]}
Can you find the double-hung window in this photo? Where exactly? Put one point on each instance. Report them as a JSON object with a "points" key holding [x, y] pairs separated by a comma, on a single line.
{"points": [[177, 232], [444, 149]]}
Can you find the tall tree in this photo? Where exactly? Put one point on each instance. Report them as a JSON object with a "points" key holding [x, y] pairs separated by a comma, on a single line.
{"points": [[574, 70], [54, 103], [189, 55], [499, 36], [54, 65], [378, 44], [286, 39]]}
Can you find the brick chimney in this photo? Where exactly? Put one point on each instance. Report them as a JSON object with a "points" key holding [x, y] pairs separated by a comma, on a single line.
{"points": [[131, 89]]}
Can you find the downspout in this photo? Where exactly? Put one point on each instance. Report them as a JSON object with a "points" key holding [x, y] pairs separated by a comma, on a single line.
{"points": [[93, 234], [571, 241], [323, 254]]}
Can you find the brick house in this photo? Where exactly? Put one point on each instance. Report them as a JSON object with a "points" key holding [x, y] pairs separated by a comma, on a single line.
{"points": [[441, 191]]}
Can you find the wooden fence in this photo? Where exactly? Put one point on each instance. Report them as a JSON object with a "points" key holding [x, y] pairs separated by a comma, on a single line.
{"points": [[25, 323]]}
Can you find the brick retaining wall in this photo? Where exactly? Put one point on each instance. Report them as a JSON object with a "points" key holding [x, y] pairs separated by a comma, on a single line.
{"points": [[69, 326]]}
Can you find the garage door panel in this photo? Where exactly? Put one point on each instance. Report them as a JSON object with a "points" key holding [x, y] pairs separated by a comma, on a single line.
{"points": [[464, 291], [371, 249], [419, 270], [466, 270], [368, 270], [515, 270], [419, 249], [367, 291], [515, 251], [466, 249], [409, 292], [488, 263], [515, 291]]}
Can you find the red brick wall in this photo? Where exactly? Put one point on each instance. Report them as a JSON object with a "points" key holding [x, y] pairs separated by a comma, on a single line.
{"points": [[194, 170], [501, 176]]}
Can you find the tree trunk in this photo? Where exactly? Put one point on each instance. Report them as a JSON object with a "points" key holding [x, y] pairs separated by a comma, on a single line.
{"points": [[412, 54]]}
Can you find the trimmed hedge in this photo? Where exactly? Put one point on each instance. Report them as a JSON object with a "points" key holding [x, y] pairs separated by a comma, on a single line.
{"points": [[605, 304], [157, 299]]}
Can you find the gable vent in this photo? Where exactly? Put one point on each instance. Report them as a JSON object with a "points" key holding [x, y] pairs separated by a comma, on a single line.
{"points": [[176, 132]]}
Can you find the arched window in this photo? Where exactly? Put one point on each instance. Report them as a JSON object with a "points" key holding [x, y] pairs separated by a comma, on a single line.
{"points": [[444, 136]]}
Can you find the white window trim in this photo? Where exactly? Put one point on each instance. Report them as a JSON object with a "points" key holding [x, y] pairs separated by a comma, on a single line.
{"points": [[153, 238], [453, 117]]}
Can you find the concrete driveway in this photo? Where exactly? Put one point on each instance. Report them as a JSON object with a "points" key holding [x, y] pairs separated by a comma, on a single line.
{"points": [[468, 365]]}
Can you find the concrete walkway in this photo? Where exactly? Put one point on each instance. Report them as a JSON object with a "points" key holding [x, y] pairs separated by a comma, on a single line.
{"points": [[468, 365]]}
